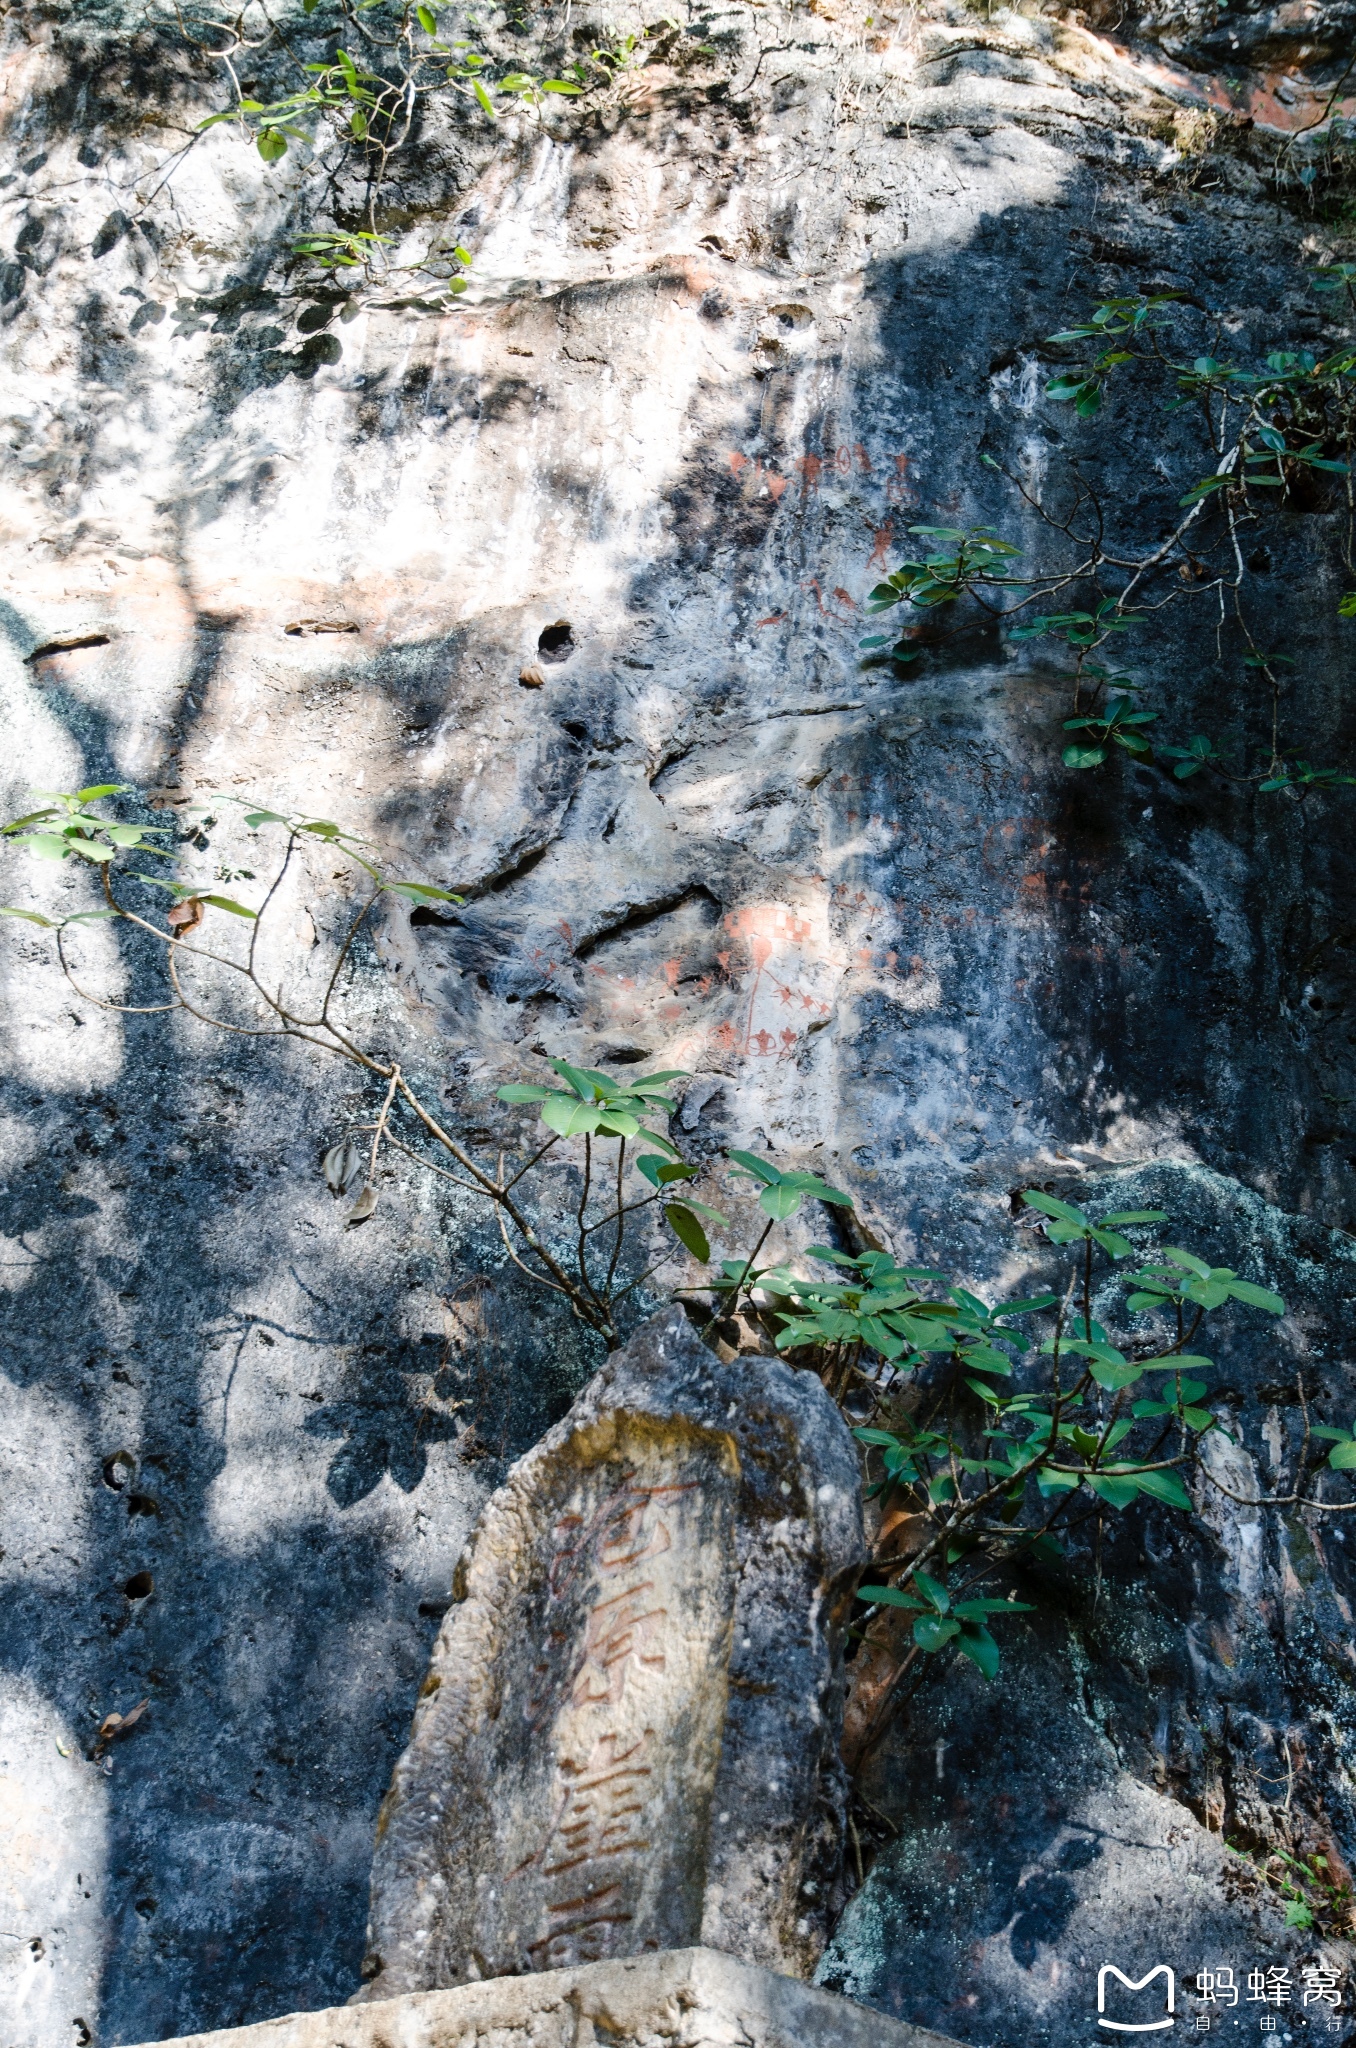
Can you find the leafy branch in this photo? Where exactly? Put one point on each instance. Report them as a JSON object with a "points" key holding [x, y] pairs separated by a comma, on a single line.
{"points": [[1270, 429]]}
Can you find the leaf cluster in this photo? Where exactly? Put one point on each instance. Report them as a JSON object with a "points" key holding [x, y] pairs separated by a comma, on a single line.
{"points": [[1059, 1418]]}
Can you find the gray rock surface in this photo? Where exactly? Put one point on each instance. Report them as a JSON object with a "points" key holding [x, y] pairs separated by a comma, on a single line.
{"points": [[628, 1738], [686, 1998], [730, 334]]}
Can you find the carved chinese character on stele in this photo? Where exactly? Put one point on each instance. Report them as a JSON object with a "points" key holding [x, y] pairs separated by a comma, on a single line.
{"points": [[628, 1737]]}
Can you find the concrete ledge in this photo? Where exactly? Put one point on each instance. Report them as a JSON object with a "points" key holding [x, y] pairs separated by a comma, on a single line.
{"points": [[679, 1998]]}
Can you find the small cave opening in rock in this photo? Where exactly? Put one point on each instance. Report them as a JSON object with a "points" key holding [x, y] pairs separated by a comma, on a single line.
{"points": [[556, 643], [118, 1470]]}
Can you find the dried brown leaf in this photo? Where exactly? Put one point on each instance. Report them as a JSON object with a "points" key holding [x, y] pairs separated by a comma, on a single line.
{"points": [[114, 1725], [183, 918], [362, 1208]]}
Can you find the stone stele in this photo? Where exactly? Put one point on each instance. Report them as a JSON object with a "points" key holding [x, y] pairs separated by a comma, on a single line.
{"points": [[628, 1737], [691, 1998]]}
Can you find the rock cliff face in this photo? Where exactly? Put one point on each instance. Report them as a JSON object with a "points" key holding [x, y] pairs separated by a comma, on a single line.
{"points": [[731, 331]]}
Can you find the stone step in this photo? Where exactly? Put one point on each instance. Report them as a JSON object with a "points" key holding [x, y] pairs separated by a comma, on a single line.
{"points": [[677, 1998]]}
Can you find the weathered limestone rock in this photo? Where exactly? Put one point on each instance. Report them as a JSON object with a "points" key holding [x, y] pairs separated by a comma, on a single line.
{"points": [[628, 1736], [727, 339], [689, 1998]]}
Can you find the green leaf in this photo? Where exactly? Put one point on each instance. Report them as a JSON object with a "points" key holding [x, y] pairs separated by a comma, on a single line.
{"points": [[931, 1633], [1297, 1914], [780, 1202], [427, 19], [1114, 1377], [1206, 485], [658, 1138], [979, 1646], [1050, 1205], [47, 845], [973, 1610], [423, 892], [933, 1591], [1167, 1487], [660, 1172], [271, 144], [617, 1123], [570, 1118], [761, 1169], [1257, 1297], [1117, 1492], [1342, 1457], [1186, 1260], [228, 903], [688, 1230], [523, 1091], [1068, 383], [33, 818], [92, 795], [886, 1596], [484, 98], [983, 1358], [1123, 1216], [92, 849], [31, 916], [586, 1082]]}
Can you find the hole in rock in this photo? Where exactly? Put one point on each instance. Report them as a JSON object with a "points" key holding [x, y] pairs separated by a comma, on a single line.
{"points": [[67, 645], [425, 914], [140, 1586], [118, 1470], [556, 643], [141, 1504], [304, 629]]}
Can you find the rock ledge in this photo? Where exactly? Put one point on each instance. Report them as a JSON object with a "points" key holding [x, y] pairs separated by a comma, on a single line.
{"points": [[680, 1998]]}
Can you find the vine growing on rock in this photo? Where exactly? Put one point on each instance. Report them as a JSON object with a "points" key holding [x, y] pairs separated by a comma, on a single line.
{"points": [[598, 1256], [985, 1441], [359, 106], [1268, 433]]}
